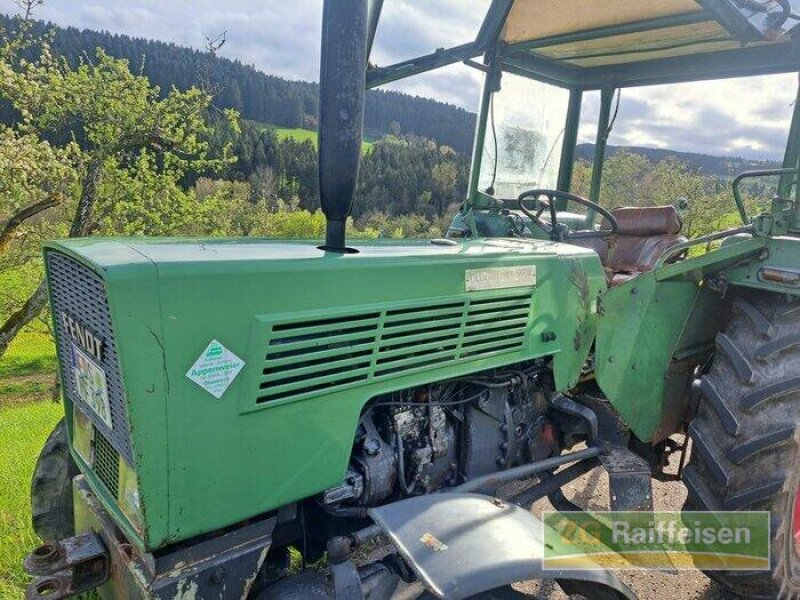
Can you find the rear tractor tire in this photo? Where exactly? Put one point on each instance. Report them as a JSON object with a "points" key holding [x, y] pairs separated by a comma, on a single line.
{"points": [[51, 488], [745, 436]]}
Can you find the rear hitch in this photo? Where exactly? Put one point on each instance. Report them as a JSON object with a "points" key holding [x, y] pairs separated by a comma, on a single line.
{"points": [[375, 580], [67, 568], [346, 581], [629, 475], [630, 484]]}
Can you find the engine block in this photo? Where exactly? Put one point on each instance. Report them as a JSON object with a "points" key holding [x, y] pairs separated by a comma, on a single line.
{"points": [[421, 440]]}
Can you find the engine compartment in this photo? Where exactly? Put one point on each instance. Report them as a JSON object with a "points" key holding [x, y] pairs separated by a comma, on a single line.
{"points": [[420, 440]]}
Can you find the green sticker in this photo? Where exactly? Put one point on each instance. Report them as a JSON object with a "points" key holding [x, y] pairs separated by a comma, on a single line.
{"points": [[215, 369]]}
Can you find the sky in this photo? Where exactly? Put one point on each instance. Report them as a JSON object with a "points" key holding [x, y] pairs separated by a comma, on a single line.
{"points": [[746, 118]]}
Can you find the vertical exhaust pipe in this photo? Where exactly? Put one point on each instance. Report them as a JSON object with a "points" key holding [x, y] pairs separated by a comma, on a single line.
{"points": [[342, 83]]}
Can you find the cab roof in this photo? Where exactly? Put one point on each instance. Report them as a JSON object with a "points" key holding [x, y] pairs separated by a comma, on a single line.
{"points": [[590, 44]]}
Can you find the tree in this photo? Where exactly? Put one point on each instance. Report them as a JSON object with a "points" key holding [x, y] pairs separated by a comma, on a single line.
{"points": [[263, 183], [445, 176], [630, 179], [82, 128], [36, 180], [265, 98], [36, 177], [624, 176]]}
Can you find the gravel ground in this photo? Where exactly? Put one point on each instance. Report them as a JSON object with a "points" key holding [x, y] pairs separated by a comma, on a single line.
{"points": [[591, 492]]}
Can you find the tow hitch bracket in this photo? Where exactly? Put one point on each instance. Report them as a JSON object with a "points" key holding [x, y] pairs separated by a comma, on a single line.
{"points": [[67, 568], [629, 480]]}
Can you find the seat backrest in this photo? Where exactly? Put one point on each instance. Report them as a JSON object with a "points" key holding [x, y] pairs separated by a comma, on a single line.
{"points": [[643, 235]]}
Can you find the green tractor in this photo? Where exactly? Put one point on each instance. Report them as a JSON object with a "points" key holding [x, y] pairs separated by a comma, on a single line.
{"points": [[231, 405]]}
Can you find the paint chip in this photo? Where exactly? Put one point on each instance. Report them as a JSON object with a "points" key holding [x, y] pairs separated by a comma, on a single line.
{"points": [[433, 543]]}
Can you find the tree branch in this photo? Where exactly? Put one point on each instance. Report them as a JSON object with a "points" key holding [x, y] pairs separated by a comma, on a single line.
{"points": [[18, 219], [81, 221], [80, 227], [27, 7], [29, 311]]}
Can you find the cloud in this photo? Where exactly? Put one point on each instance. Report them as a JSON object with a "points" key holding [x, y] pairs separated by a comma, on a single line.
{"points": [[744, 117], [412, 28], [274, 35], [278, 37], [455, 84]]}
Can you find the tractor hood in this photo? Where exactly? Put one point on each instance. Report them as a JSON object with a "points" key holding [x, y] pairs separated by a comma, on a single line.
{"points": [[244, 364], [109, 253]]}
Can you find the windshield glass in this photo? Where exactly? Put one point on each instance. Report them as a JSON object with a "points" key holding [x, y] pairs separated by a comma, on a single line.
{"points": [[522, 150]]}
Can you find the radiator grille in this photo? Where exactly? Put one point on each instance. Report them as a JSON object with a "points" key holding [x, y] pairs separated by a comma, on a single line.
{"points": [[106, 464], [306, 357], [80, 293]]}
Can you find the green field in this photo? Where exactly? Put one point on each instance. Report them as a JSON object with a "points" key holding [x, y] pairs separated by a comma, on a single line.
{"points": [[307, 135], [27, 415]]}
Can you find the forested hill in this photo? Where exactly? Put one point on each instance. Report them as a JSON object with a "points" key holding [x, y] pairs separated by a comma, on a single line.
{"points": [[724, 167], [261, 97]]}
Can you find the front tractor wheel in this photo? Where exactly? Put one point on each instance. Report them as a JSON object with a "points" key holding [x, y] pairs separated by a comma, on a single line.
{"points": [[745, 436], [51, 488]]}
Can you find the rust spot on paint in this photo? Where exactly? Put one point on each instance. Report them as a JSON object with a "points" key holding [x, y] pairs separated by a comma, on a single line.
{"points": [[580, 280], [432, 542]]}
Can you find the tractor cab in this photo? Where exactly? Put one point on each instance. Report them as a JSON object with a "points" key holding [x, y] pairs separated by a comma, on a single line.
{"points": [[545, 62]]}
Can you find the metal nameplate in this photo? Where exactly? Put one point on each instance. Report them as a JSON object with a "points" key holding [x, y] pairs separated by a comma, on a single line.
{"points": [[500, 278]]}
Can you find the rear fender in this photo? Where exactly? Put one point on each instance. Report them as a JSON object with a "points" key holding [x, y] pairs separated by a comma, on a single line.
{"points": [[655, 329]]}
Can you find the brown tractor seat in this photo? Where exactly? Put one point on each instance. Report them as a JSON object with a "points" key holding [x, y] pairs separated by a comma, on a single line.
{"points": [[643, 236]]}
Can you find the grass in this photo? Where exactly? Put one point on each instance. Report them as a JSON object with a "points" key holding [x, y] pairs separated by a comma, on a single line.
{"points": [[310, 135], [307, 135], [27, 371], [23, 430], [27, 415]]}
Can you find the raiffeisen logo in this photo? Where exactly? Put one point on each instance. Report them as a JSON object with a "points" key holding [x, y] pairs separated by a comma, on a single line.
{"points": [[712, 541], [671, 533]]}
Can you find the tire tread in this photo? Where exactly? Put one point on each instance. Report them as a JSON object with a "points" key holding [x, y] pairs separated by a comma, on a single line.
{"points": [[745, 446], [51, 488]]}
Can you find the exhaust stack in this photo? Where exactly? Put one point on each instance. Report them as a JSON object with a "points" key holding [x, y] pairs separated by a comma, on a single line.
{"points": [[342, 83]]}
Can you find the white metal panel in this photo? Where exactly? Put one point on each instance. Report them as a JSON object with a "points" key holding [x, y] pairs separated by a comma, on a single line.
{"points": [[535, 19]]}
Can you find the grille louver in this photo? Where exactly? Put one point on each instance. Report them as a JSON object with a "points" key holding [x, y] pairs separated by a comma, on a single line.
{"points": [[81, 293], [306, 357], [106, 464]]}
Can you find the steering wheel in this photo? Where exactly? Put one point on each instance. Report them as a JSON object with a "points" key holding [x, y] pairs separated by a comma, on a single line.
{"points": [[560, 232]]}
